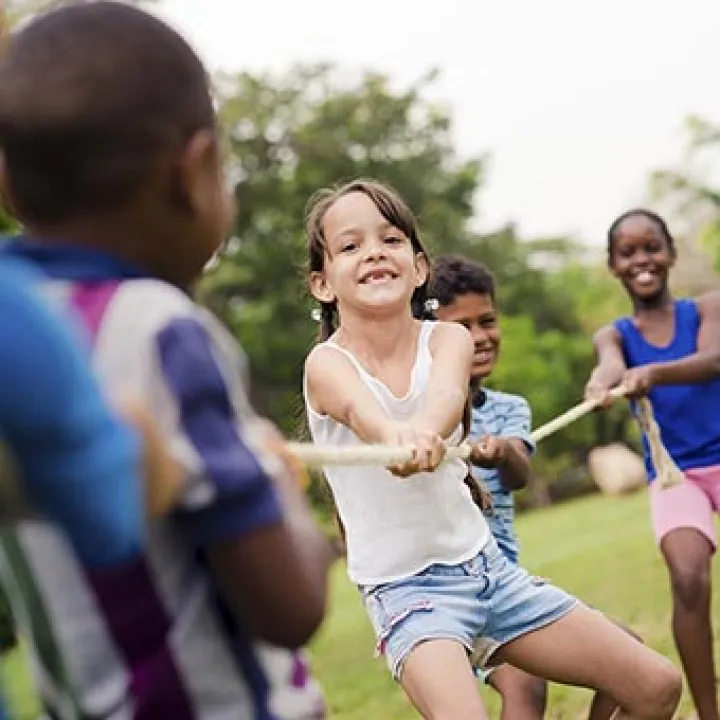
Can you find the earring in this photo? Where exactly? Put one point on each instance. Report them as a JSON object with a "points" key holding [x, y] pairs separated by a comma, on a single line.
{"points": [[316, 315], [431, 305]]}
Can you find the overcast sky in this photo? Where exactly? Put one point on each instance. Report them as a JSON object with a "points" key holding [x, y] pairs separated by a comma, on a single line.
{"points": [[575, 100]]}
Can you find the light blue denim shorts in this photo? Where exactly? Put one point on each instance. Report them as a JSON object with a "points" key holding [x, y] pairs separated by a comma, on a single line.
{"points": [[482, 603]]}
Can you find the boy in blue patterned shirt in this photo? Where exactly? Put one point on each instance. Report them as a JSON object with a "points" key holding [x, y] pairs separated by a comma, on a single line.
{"points": [[464, 291]]}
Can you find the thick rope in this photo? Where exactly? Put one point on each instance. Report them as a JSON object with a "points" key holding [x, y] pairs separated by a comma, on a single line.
{"points": [[319, 456], [667, 473]]}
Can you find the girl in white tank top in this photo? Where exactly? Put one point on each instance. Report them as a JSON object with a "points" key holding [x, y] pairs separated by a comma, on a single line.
{"points": [[436, 588]]}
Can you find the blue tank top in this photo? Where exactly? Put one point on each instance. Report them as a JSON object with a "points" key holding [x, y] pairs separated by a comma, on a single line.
{"points": [[688, 415]]}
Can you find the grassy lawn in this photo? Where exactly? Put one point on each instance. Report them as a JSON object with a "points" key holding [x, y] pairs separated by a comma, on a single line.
{"points": [[599, 548], [17, 687]]}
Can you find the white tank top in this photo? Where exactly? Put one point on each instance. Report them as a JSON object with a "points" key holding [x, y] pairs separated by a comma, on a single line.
{"points": [[397, 527]]}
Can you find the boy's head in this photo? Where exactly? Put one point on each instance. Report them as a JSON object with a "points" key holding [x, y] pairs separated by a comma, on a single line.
{"points": [[108, 137], [465, 292]]}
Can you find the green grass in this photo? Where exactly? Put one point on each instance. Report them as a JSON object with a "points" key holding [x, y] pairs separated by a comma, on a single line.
{"points": [[17, 687], [599, 548]]}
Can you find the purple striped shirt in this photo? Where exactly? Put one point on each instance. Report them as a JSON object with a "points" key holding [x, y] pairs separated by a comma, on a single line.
{"points": [[152, 640]]}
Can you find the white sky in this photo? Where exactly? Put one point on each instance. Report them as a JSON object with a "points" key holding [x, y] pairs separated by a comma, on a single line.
{"points": [[575, 100]]}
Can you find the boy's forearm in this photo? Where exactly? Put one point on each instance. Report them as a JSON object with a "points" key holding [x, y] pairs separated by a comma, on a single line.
{"points": [[313, 548], [514, 472]]}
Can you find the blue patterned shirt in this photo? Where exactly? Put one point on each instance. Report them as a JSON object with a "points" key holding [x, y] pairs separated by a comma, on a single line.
{"points": [[504, 415]]}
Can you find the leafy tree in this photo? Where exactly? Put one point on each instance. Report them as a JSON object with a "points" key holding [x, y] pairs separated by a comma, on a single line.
{"points": [[288, 136], [692, 194]]}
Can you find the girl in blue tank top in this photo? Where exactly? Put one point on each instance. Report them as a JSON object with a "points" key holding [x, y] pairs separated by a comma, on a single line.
{"points": [[669, 350]]}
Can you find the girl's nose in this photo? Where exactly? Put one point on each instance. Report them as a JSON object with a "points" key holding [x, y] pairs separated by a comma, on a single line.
{"points": [[375, 249]]}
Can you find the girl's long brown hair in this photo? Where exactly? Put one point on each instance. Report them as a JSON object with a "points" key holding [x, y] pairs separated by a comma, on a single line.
{"points": [[390, 205]]}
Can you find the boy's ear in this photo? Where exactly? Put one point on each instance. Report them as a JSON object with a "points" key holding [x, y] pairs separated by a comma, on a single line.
{"points": [[197, 172], [320, 288]]}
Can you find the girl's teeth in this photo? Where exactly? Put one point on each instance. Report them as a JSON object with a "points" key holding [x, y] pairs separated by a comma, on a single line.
{"points": [[644, 278]]}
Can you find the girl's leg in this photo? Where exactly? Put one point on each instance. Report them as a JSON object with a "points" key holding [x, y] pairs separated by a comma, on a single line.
{"points": [[440, 683], [687, 554], [684, 527], [603, 707], [524, 696], [584, 648]]}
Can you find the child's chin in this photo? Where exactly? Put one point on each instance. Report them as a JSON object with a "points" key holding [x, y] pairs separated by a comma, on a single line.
{"points": [[480, 372]]}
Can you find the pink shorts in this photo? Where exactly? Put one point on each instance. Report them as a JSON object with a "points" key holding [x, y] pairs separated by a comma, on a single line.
{"points": [[689, 505]]}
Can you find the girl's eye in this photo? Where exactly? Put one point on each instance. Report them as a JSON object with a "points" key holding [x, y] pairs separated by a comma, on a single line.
{"points": [[348, 247], [392, 239]]}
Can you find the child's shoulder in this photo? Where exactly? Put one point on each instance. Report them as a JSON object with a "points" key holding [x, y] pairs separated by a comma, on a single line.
{"points": [[149, 308], [152, 305], [154, 302], [442, 333], [708, 304]]}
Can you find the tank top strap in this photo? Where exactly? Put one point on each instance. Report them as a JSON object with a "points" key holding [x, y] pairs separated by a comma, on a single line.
{"points": [[425, 332], [356, 364], [423, 348]]}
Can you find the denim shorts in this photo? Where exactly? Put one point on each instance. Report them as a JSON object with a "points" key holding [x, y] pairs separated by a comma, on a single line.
{"points": [[482, 603]]}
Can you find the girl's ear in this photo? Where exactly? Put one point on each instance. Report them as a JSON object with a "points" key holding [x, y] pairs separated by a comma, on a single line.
{"points": [[320, 288], [422, 269]]}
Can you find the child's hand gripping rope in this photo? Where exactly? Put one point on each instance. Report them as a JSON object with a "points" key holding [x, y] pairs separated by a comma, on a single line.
{"points": [[668, 474]]}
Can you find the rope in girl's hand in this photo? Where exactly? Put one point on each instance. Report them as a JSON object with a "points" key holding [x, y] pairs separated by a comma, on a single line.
{"points": [[318, 456]]}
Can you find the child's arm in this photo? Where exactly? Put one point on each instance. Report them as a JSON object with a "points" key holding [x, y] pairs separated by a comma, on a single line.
{"points": [[509, 455], [452, 349], [610, 368], [696, 368], [335, 389], [510, 450], [248, 518], [163, 475]]}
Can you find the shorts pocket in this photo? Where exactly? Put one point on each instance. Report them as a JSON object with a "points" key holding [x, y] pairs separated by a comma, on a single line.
{"points": [[390, 607]]}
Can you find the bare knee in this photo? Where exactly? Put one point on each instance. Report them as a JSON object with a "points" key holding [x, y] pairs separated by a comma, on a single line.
{"points": [[521, 690], [658, 693], [690, 586], [688, 554]]}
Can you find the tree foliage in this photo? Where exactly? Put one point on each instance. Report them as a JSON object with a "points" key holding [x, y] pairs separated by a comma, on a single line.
{"points": [[691, 192], [289, 135]]}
